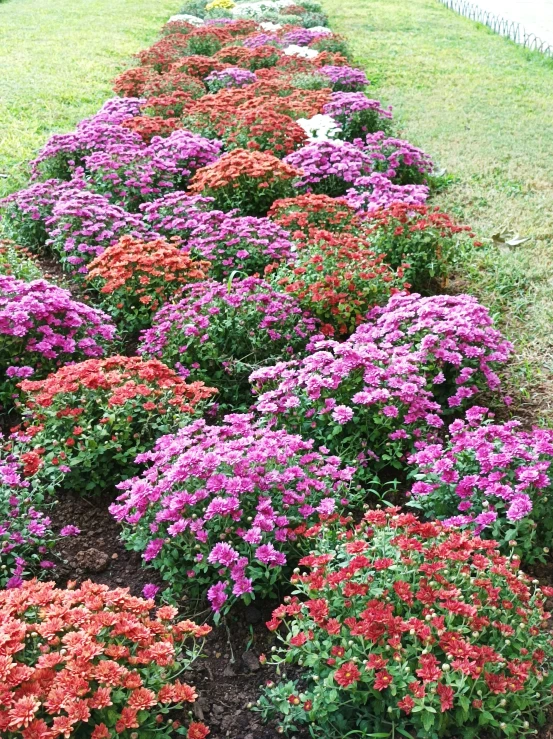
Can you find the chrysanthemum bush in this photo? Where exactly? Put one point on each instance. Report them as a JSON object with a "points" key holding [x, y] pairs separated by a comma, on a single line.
{"points": [[329, 167], [43, 327], [90, 420], [221, 332], [357, 115], [314, 211], [224, 508], [372, 397], [261, 129], [25, 530], [133, 176], [425, 238], [94, 662], [229, 77], [338, 278], [493, 478], [25, 212], [178, 214], [377, 193], [403, 628], [343, 78], [135, 277], [83, 224], [247, 180], [244, 244], [400, 161]]}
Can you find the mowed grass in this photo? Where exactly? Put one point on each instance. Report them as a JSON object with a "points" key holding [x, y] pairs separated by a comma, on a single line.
{"points": [[483, 108], [57, 61]]}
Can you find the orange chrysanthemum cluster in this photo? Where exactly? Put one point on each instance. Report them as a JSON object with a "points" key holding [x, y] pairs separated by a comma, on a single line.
{"points": [[118, 379], [136, 277], [248, 180], [90, 659]]}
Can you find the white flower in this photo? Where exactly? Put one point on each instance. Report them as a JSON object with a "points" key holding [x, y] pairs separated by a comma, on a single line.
{"points": [[252, 10], [301, 51], [321, 29], [268, 26], [320, 127], [183, 18]]}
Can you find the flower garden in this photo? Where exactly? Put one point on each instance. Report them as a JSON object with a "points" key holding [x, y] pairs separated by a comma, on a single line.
{"points": [[249, 361]]}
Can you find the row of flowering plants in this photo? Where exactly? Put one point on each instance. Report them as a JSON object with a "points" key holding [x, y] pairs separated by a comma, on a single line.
{"points": [[252, 348]]}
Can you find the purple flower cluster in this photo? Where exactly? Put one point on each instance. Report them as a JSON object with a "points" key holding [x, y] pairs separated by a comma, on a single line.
{"points": [[65, 152], [377, 191], [345, 79], [117, 110], [489, 475], [223, 331], [303, 36], [42, 325], [251, 483], [243, 243], [178, 214], [262, 39], [356, 114], [83, 224], [25, 531], [229, 77], [26, 211], [391, 381], [134, 174], [330, 167], [398, 160]]}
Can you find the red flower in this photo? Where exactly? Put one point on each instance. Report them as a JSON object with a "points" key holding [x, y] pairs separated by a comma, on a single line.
{"points": [[383, 680], [347, 674], [445, 693], [429, 670], [197, 730], [406, 704]]}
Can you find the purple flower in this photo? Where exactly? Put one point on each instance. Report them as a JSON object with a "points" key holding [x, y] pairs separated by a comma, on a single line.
{"points": [[217, 596], [150, 590], [268, 555], [70, 531], [342, 414]]}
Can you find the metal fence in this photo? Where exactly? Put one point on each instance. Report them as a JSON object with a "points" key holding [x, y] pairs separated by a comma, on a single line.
{"points": [[510, 29]]}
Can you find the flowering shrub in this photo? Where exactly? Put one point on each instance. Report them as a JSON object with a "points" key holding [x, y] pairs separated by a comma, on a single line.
{"points": [[343, 78], [229, 77], [42, 327], [221, 332], [261, 129], [329, 167], [314, 211], [490, 477], [25, 212], [356, 115], [250, 59], [133, 177], [83, 224], [353, 398], [372, 396], [131, 82], [410, 628], [172, 82], [248, 180], [90, 420], [178, 214], [400, 161], [425, 239], [93, 660], [25, 533], [167, 106], [337, 278], [199, 66], [17, 261], [239, 244], [230, 522], [65, 152], [135, 277], [376, 192]]}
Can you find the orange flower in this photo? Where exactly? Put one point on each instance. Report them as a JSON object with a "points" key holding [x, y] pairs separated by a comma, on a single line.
{"points": [[197, 731]]}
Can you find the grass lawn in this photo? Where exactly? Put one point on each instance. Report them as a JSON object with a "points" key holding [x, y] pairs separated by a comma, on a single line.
{"points": [[57, 60], [483, 108]]}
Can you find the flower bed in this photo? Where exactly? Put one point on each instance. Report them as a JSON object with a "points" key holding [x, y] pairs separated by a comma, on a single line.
{"points": [[242, 201]]}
